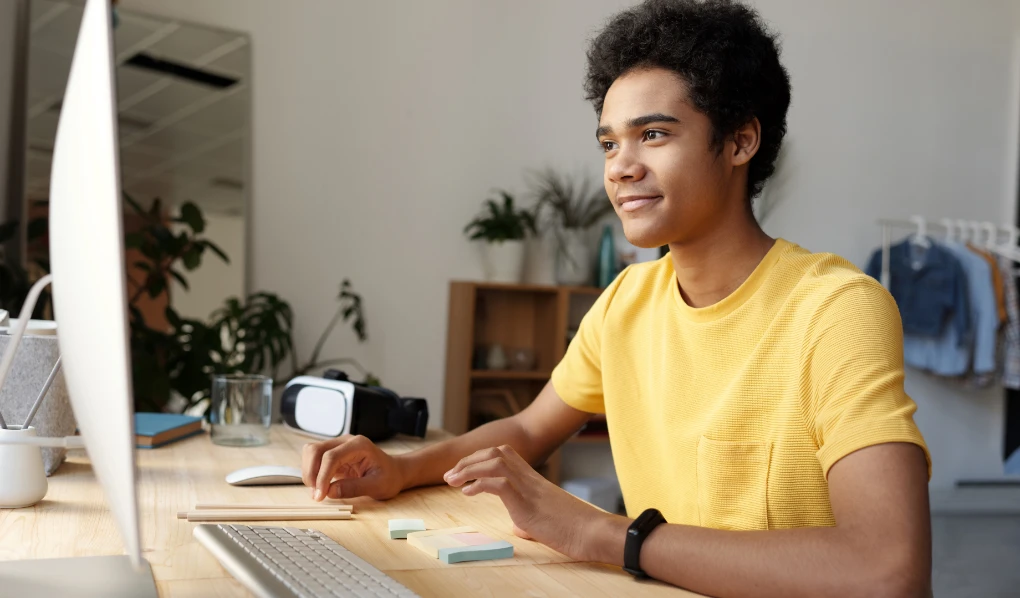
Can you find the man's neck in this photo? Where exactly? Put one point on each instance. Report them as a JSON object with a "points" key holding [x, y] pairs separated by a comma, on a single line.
{"points": [[711, 267]]}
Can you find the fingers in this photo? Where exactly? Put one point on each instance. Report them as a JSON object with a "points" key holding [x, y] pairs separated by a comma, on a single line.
{"points": [[499, 486], [505, 453], [493, 468], [350, 488], [334, 459], [311, 457]]}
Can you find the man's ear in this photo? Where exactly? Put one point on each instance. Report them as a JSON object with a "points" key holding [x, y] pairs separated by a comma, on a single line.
{"points": [[746, 140]]}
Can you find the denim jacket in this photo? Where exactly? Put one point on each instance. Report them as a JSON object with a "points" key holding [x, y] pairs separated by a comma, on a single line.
{"points": [[945, 356], [929, 286]]}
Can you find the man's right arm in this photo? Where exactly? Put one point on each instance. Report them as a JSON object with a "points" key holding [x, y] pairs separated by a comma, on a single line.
{"points": [[354, 466]]}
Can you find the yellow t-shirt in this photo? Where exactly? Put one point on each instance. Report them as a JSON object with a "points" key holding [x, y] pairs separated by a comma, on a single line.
{"points": [[730, 416]]}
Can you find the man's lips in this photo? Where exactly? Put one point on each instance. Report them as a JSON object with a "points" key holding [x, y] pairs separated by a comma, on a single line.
{"points": [[631, 203]]}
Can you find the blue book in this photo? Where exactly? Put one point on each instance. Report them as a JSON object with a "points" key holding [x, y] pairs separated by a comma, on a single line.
{"points": [[154, 430]]}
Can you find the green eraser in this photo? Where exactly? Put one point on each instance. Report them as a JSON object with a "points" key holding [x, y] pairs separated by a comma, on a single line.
{"points": [[484, 552], [399, 528]]}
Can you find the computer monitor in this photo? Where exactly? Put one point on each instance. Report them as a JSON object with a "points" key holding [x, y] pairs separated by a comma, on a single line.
{"points": [[90, 306], [88, 267]]}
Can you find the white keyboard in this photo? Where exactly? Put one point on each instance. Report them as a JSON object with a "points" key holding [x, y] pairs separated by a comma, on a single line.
{"points": [[274, 562]]}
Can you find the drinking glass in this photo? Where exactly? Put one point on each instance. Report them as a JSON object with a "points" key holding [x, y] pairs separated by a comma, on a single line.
{"points": [[241, 409]]}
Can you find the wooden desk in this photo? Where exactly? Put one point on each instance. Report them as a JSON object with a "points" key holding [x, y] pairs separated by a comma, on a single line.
{"points": [[74, 520]]}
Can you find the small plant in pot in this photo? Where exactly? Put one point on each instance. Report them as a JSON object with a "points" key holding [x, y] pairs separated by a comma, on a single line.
{"points": [[574, 207], [502, 227]]}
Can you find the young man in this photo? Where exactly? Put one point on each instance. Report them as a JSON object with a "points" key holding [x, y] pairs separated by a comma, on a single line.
{"points": [[753, 390]]}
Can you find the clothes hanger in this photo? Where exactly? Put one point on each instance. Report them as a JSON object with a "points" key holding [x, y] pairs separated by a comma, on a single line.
{"points": [[964, 234], [993, 234], [975, 229], [1010, 249], [950, 229], [920, 238]]}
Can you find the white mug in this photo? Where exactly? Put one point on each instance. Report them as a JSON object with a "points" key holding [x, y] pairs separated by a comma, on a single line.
{"points": [[22, 476]]}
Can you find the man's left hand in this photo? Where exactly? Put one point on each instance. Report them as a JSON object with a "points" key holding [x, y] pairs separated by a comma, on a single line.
{"points": [[539, 509]]}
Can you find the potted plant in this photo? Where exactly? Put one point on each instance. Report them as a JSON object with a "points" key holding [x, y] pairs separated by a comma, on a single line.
{"points": [[503, 229], [574, 208]]}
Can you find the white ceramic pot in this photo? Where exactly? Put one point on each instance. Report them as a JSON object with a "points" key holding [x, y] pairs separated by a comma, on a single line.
{"points": [[541, 262], [22, 476], [503, 261], [574, 260]]}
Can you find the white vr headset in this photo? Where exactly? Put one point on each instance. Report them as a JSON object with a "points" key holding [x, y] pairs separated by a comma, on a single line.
{"points": [[333, 406]]}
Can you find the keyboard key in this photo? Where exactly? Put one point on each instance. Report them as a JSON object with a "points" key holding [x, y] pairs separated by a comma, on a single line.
{"points": [[308, 563]]}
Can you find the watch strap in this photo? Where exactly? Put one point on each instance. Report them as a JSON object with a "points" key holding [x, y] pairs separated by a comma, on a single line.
{"points": [[638, 531]]}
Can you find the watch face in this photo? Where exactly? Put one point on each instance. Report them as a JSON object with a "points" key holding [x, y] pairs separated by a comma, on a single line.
{"points": [[648, 516]]}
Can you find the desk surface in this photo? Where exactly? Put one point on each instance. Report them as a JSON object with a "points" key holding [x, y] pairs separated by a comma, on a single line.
{"points": [[73, 520]]}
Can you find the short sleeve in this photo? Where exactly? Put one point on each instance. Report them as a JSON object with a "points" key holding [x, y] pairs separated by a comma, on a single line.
{"points": [[855, 368], [578, 377]]}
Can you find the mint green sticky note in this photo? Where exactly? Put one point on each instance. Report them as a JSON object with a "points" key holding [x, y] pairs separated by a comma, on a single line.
{"points": [[399, 528], [500, 549]]}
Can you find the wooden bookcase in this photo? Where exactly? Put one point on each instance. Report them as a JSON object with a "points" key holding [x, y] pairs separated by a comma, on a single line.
{"points": [[540, 318]]}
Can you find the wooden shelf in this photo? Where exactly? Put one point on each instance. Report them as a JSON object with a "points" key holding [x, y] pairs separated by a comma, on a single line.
{"points": [[585, 290], [513, 316], [509, 375], [532, 288], [589, 439]]}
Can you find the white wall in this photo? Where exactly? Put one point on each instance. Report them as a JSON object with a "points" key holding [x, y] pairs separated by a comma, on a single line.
{"points": [[379, 127]]}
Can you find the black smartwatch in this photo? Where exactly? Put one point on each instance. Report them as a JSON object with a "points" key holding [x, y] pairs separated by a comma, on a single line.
{"points": [[636, 534]]}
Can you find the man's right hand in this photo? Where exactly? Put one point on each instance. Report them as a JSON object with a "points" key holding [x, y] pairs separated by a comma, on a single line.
{"points": [[350, 466]]}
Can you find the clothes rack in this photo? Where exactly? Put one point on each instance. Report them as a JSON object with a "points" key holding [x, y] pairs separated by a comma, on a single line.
{"points": [[995, 238]]}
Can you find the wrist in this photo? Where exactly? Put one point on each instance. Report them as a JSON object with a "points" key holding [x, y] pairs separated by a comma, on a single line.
{"points": [[405, 467], [605, 538]]}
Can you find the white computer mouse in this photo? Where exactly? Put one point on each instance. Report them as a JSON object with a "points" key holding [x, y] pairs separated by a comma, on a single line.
{"points": [[264, 475]]}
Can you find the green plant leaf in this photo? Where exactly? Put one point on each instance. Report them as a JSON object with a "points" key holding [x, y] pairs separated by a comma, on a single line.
{"points": [[192, 257], [192, 216], [571, 204], [173, 317], [165, 239], [133, 240], [180, 279], [155, 285], [134, 204], [216, 249], [501, 221]]}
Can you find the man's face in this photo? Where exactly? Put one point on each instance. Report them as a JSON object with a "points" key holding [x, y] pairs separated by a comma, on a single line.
{"points": [[665, 180]]}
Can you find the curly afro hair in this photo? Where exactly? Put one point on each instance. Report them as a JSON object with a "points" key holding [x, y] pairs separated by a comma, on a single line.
{"points": [[725, 54]]}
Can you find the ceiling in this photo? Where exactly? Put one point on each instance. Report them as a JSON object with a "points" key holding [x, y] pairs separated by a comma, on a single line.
{"points": [[179, 140]]}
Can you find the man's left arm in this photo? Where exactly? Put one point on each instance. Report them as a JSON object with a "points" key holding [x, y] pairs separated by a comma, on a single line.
{"points": [[880, 545]]}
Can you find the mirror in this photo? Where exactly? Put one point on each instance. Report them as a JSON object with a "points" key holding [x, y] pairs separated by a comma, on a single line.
{"points": [[184, 105]]}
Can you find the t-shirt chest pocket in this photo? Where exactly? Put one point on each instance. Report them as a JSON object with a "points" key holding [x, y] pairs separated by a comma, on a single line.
{"points": [[733, 484]]}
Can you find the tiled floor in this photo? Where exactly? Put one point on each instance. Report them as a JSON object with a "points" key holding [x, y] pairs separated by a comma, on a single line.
{"points": [[976, 555]]}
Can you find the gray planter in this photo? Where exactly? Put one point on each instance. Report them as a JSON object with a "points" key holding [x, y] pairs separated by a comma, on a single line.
{"points": [[35, 358]]}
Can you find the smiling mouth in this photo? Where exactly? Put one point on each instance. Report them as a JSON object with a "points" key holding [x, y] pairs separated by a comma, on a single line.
{"points": [[637, 203]]}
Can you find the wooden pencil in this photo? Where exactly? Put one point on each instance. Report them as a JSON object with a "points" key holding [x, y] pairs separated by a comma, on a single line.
{"points": [[263, 515], [265, 507]]}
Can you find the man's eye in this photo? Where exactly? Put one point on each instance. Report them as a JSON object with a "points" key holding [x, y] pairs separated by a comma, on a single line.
{"points": [[649, 135], [608, 146]]}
